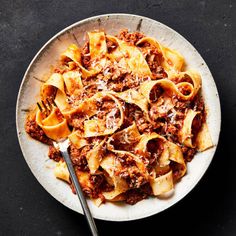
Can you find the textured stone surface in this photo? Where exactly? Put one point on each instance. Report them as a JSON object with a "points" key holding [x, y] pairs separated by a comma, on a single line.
{"points": [[26, 208]]}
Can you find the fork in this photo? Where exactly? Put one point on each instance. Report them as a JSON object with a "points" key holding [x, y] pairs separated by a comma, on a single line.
{"points": [[63, 145]]}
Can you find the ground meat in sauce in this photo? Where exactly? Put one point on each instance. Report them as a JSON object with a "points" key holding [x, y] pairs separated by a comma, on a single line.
{"points": [[59, 115], [155, 93], [122, 81], [171, 132], [182, 105], [188, 153], [177, 170], [154, 149], [89, 91], [85, 56], [78, 157], [54, 154], [154, 59], [100, 185], [198, 105], [132, 176], [131, 38], [133, 113], [196, 126], [107, 111], [126, 160], [111, 46], [77, 121], [133, 196], [35, 131]]}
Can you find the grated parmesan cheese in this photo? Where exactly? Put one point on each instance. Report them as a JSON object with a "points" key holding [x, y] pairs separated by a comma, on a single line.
{"points": [[110, 120], [102, 85]]}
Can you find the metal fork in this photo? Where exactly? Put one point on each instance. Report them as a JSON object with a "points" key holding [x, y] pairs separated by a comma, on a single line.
{"points": [[63, 147]]}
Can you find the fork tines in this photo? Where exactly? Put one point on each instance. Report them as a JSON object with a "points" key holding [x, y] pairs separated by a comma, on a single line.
{"points": [[46, 106]]}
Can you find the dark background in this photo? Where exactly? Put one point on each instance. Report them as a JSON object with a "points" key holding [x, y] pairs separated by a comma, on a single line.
{"points": [[26, 208]]}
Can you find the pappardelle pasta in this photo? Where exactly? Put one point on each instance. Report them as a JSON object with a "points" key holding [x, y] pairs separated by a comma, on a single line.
{"points": [[133, 116]]}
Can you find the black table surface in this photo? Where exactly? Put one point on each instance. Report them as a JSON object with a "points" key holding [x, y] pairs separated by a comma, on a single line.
{"points": [[26, 208]]}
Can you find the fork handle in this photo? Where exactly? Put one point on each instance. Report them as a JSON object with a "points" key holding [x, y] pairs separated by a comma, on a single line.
{"points": [[80, 194]]}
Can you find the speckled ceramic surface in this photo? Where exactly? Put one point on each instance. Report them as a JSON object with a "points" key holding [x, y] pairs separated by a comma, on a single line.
{"points": [[35, 153]]}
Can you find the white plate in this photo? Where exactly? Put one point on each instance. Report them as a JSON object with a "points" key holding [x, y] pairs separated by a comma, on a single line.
{"points": [[35, 153]]}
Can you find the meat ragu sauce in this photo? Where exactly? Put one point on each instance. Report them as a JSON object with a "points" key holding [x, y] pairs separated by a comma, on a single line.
{"points": [[131, 38], [167, 122], [35, 130]]}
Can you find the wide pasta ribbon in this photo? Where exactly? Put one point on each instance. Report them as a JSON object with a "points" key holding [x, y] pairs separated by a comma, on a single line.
{"points": [[172, 60], [125, 138], [131, 136], [192, 77], [131, 96], [183, 90], [171, 152], [132, 55], [65, 84], [110, 164], [202, 141], [141, 147], [54, 127], [61, 172], [73, 53], [77, 140], [162, 183], [97, 48], [99, 127], [94, 156]]}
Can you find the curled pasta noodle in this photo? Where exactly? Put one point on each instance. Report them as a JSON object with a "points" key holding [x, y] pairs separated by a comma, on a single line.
{"points": [[133, 97], [185, 134], [172, 60], [133, 57], [109, 164], [72, 80], [97, 45], [74, 54], [203, 140], [52, 126], [100, 127], [56, 81], [94, 157], [170, 88], [162, 184], [77, 140], [130, 136]]}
